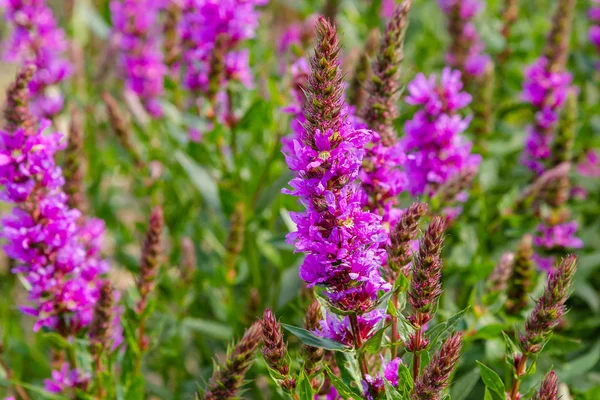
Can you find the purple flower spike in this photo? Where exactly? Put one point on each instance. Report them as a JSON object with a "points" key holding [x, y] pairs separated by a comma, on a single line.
{"points": [[136, 36], [37, 40], [434, 146], [211, 30], [57, 251], [466, 49], [341, 241]]}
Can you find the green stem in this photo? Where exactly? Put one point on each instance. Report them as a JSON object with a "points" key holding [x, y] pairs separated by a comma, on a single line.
{"points": [[362, 361]]}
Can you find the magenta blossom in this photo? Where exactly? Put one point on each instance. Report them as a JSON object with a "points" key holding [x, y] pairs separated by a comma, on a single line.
{"points": [[590, 165], [435, 148], [38, 40], [65, 379], [332, 327], [136, 34]]}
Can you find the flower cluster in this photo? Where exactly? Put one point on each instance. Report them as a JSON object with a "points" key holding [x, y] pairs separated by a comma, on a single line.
{"points": [[381, 178], [466, 49], [37, 40], [546, 90], [66, 378], [434, 146], [136, 36], [341, 241], [56, 250], [341, 330], [594, 32], [211, 30]]}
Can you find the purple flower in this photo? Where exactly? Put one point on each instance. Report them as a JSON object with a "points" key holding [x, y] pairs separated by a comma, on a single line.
{"points": [[37, 39], [590, 165], [466, 52], [59, 258], [558, 236], [65, 379], [136, 36], [390, 371], [435, 149], [547, 91], [594, 32], [203, 24], [334, 328]]}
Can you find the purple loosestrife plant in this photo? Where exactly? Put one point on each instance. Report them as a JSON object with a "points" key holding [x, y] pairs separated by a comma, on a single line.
{"points": [[546, 86], [542, 320], [466, 48], [594, 16], [37, 40], [339, 238], [435, 149], [211, 31], [136, 35], [381, 178], [58, 256]]}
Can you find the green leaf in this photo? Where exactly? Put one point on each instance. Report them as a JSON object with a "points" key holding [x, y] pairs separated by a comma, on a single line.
{"points": [[304, 389], [391, 393], [310, 339], [344, 390], [463, 386], [374, 343], [212, 329], [492, 381], [512, 350], [405, 380], [580, 365], [348, 366], [57, 341], [438, 332], [135, 389], [488, 395], [201, 179]]}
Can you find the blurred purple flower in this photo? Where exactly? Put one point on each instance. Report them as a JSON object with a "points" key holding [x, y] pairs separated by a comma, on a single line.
{"points": [[560, 235], [136, 35], [65, 379], [37, 39], [461, 14], [594, 16], [435, 149], [59, 257], [590, 165], [547, 91]]}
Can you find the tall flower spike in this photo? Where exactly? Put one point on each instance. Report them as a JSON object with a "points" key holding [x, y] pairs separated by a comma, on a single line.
{"points": [[228, 378], [120, 126], [188, 259], [100, 328], [426, 284], [36, 39], [136, 35], [548, 388], [499, 277], [74, 165], [425, 288], [546, 86], [510, 12], [16, 110], [341, 241], [519, 282], [362, 71], [384, 89], [436, 376], [483, 98], [550, 308], [172, 44], [562, 147], [235, 241], [313, 356], [466, 47], [435, 148], [324, 91], [275, 350], [557, 44], [57, 257], [402, 236], [150, 260]]}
